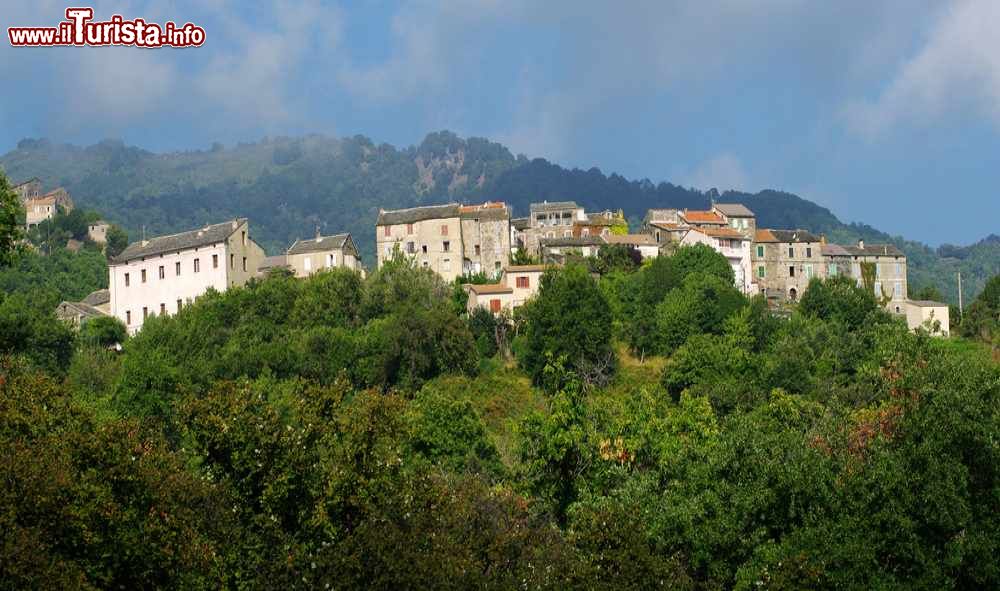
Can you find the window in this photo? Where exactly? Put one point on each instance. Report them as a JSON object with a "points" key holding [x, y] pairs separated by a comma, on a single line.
{"points": [[496, 266], [791, 271], [833, 269], [232, 261], [126, 279], [128, 316], [494, 306], [177, 268], [215, 261], [425, 264], [329, 260], [444, 230], [179, 305], [760, 271], [409, 228], [244, 264], [446, 264], [878, 289], [522, 282], [878, 270], [585, 232], [809, 252], [760, 251], [387, 231], [478, 250], [197, 265], [899, 270], [163, 309], [411, 247], [445, 246], [809, 271], [145, 312], [791, 252], [143, 274], [163, 274], [424, 248], [244, 238]]}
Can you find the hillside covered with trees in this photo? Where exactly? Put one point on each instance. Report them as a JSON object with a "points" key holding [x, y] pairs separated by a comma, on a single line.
{"points": [[650, 427], [290, 186]]}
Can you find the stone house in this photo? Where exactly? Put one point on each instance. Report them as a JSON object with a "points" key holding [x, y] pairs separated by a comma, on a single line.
{"points": [[29, 189], [98, 231], [731, 244], [931, 316], [77, 314], [40, 208], [738, 217], [554, 219], [517, 285], [784, 261], [554, 250], [890, 271], [161, 275], [495, 297], [306, 257], [485, 238], [447, 239], [644, 243], [524, 280]]}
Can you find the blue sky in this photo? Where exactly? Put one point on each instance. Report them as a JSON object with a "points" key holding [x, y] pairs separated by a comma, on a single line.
{"points": [[885, 112]]}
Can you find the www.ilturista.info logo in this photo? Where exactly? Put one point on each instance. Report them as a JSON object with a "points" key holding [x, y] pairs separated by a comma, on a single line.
{"points": [[79, 29]]}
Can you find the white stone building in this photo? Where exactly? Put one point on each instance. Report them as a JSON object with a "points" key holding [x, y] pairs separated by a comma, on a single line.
{"points": [[730, 243], [163, 274]]}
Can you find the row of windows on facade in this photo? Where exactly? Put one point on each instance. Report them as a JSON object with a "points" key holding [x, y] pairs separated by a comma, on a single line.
{"points": [[387, 230], [331, 261], [791, 251], [196, 267], [146, 313], [832, 270]]}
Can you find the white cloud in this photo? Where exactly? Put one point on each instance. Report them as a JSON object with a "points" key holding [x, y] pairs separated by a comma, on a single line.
{"points": [[722, 172], [957, 71]]}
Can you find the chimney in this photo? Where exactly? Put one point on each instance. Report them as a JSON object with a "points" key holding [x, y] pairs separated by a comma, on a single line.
{"points": [[235, 224], [861, 243], [822, 238], [318, 236]]}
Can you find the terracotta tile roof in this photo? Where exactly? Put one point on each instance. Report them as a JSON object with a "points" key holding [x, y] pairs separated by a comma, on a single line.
{"points": [[491, 210], [489, 288], [720, 232], [702, 217]]}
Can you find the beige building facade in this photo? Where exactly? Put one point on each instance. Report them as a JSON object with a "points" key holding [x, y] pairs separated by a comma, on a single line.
{"points": [[450, 240], [306, 257], [163, 274], [934, 317]]}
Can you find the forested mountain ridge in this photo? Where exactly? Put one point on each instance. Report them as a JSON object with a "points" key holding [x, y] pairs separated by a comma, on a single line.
{"points": [[290, 186]]}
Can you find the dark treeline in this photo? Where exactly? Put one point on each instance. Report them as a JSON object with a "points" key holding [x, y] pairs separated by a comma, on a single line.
{"points": [[650, 428]]}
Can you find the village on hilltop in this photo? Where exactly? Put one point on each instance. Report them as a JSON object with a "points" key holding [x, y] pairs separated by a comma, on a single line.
{"points": [[161, 275]]}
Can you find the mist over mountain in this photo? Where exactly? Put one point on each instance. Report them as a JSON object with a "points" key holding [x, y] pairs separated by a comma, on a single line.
{"points": [[290, 186]]}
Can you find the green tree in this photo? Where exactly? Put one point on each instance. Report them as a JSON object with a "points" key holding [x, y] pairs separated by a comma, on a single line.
{"points": [[699, 306], [103, 332], [11, 214], [571, 319], [841, 299], [117, 239]]}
